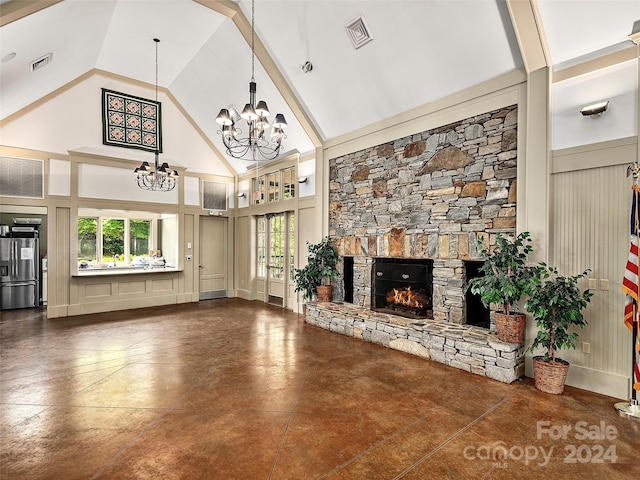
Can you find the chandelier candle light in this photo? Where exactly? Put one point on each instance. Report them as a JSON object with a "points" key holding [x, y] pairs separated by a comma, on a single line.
{"points": [[255, 146], [161, 178]]}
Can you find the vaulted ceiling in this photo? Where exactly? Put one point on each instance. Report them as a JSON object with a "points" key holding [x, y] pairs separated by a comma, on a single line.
{"points": [[422, 50]]}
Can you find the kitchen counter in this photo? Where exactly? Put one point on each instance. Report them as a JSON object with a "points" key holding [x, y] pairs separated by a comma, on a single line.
{"points": [[128, 270]]}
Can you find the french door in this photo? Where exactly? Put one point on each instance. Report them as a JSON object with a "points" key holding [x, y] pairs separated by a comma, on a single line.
{"points": [[276, 255]]}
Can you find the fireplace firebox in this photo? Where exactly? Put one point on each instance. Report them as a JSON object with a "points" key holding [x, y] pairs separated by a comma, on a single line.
{"points": [[402, 286]]}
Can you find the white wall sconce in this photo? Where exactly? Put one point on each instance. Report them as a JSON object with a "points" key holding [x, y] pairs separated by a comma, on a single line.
{"points": [[595, 110], [241, 195], [303, 179]]}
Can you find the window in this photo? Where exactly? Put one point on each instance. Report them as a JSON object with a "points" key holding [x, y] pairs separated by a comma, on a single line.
{"points": [[118, 238], [139, 235], [87, 234], [113, 240], [258, 189], [288, 183], [274, 187], [261, 250]]}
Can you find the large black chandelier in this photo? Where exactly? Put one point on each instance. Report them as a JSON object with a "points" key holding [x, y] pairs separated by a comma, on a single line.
{"points": [[161, 178], [255, 146]]}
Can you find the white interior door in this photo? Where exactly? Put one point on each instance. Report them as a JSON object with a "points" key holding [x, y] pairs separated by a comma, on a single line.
{"points": [[213, 257]]}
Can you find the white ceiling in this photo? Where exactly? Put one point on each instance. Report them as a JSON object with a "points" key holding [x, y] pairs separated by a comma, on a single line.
{"points": [[422, 50]]}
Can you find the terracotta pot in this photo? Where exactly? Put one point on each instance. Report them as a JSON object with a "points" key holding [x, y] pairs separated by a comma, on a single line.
{"points": [[510, 328], [549, 377], [324, 293]]}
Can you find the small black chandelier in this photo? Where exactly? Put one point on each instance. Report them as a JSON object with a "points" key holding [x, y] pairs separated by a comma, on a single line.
{"points": [[255, 146], [161, 178]]}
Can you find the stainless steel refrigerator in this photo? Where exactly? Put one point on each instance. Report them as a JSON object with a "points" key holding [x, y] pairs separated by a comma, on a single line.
{"points": [[19, 273]]}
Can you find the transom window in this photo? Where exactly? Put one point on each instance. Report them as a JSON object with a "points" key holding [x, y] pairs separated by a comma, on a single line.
{"points": [[274, 186]]}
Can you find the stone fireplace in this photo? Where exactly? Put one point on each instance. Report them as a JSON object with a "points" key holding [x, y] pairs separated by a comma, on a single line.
{"points": [[402, 287], [423, 202], [427, 197]]}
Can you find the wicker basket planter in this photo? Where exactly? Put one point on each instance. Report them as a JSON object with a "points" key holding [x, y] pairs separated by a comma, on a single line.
{"points": [[324, 293], [549, 377], [510, 328]]}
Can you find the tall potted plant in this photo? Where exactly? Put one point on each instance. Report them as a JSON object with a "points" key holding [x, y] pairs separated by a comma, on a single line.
{"points": [[506, 278], [314, 279], [556, 304]]}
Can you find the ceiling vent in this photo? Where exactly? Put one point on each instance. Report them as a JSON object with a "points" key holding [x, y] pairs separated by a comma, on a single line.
{"points": [[358, 32], [41, 62]]}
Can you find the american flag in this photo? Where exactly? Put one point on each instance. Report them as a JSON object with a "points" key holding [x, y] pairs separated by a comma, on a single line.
{"points": [[630, 282]]}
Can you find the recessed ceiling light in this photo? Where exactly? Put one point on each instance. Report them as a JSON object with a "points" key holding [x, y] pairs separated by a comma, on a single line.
{"points": [[8, 57]]}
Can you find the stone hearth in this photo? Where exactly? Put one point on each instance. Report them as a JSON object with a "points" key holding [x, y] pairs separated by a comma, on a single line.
{"points": [[465, 347]]}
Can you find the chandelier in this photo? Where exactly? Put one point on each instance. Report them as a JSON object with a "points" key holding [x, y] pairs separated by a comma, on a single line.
{"points": [[255, 146], [161, 178]]}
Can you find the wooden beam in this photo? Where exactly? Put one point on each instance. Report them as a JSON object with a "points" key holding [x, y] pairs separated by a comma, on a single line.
{"points": [[17, 9]]}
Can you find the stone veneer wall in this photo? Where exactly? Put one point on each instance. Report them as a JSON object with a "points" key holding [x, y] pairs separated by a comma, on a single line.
{"points": [[430, 195]]}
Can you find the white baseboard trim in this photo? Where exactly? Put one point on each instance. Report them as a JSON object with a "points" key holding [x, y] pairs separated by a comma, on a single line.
{"points": [[597, 381]]}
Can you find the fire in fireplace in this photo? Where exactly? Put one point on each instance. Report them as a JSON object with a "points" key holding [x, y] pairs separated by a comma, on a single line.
{"points": [[402, 287]]}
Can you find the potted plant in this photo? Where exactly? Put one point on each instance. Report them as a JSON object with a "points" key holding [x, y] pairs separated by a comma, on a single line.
{"points": [[305, 281], [505, 279], [315, 278], [556, 304]]}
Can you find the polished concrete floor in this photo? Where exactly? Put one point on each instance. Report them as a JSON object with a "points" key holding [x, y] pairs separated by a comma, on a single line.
{"points": [[230, 389]]}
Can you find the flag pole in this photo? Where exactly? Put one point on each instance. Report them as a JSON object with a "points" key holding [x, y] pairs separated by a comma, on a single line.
{"points": [[632, 407]]}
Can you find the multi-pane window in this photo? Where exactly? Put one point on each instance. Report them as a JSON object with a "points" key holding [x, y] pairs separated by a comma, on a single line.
{"points": [[261, 249], [288, 183], [115, 241], [275, 186]]}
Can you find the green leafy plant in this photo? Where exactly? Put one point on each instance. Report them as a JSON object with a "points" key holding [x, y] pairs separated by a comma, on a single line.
{"points": [[320, 269], [506, 277], [306, 282], [556, 304]]}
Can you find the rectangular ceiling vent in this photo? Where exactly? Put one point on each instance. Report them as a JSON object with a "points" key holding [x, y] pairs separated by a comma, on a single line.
{"points": [[41, 62], [358, 32], [214, 195]]}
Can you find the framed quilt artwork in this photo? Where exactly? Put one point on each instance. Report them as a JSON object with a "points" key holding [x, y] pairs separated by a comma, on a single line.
{"points": [[131, 122]]}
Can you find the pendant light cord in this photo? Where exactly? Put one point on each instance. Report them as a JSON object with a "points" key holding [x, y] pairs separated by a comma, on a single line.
{"points": [[157, 40], [253, 34]]}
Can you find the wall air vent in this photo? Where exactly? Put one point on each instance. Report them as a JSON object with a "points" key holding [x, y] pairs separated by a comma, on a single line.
{"points": [[214, 195], [41, 62], [21, 177], [358, 32]]}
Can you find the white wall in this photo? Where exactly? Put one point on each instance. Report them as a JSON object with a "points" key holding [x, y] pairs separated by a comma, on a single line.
{"points": [[618, 84], [72, 120]]}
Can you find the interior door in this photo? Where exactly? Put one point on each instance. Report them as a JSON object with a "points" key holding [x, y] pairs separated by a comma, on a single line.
{"points": [[213, 257]]}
